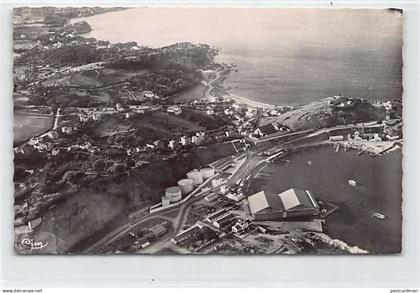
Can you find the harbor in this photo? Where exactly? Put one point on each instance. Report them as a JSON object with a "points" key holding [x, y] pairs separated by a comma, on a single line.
{"points": [[369, 208]]}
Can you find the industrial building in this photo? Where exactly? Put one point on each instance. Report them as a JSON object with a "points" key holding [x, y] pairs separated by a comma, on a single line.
{"points": [[185, 235], [216, 215], [292, 203], [155, 231], [173, 193], [223, 221]]}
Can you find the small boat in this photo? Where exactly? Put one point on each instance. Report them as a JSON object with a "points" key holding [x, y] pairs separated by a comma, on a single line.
{"points": [[359, 153], [378, 215], [309, 163], [352, 182]]}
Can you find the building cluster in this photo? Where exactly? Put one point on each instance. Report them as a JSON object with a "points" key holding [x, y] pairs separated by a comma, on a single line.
{"points": [[268, 129], [341, 102], [145, 237], [222, 219], [196, 237]]}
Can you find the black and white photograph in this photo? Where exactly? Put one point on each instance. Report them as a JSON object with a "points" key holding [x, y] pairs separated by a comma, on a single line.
{"points": [[207, 130]]}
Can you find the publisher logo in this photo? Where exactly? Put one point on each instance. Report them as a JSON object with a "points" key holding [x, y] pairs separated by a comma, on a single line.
{"points": [[32, 244]]}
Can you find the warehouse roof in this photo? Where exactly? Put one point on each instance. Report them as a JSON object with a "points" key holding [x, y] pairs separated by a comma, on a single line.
{"points": [[290, 199], [258, 202]]}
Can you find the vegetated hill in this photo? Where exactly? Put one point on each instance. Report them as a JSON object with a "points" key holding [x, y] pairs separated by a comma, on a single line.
{"points": [[180, 56], [166, 71], [83, 214], [163, 125], [202, 119], [321, 114], [39, 13], [82, 27], [106, 203]]}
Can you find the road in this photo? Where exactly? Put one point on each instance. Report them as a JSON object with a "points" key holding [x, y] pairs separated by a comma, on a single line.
{"points": [[210, 85]]}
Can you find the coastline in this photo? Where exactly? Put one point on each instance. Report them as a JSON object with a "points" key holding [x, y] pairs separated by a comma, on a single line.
{"points": [[218, 80]]}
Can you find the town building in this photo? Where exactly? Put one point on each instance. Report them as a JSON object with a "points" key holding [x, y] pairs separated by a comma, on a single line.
{"points": [[171, 144], [266, 129], [67, 129], [336, 138]]}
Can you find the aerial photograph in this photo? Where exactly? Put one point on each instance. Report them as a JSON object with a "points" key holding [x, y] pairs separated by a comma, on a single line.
{"points": [[207, 130]]}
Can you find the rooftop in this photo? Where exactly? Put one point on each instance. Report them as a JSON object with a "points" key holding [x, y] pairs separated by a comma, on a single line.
{"points": [[291, 199]]}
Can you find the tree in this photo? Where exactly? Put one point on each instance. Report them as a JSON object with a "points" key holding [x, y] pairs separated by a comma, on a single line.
{"points": [[120, 168], [99, 165]]}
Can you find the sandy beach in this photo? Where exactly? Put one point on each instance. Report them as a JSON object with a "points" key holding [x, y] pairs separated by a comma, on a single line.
{"points": [[242, 100], [238, 99]]}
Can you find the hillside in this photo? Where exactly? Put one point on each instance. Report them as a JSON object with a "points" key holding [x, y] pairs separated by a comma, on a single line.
{"points": [[322, 114], [107, 201]]}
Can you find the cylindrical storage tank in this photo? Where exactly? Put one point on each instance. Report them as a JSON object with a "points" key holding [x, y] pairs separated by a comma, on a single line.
{"points": [[207, 172], [186, 185], [196, 176], [173, 193]]}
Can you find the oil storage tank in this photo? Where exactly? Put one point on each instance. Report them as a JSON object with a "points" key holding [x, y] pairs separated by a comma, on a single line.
{"points": [[186, 185], [207, 172], [173, 193], [196, 176]]}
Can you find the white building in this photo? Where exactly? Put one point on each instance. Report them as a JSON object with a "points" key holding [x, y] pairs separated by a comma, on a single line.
{"points": [[96, 116], [148, 94], [218, 181], [171, 144], [235, 196], [240, 226], [67, 129], [195, 139], [83, 118]]}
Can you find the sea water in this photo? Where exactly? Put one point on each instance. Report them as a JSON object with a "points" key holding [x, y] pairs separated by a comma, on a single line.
{"points": [[283, 56]]}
